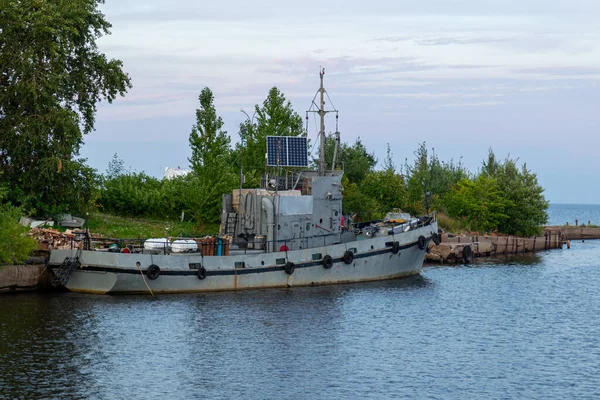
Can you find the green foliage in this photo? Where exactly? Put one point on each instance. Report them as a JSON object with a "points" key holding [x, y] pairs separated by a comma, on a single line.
{"points": [[116, 167], [213, 172], [209, 142], [527, 207], [276, 117], [387, 190], [502, 197], [15, 245], [112, 226], [356, 202], [355, 160], [429, 174], [51, 78], [480, 201]]}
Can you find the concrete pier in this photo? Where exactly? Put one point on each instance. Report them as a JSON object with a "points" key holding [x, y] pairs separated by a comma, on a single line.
{"points": [[577, 232], [14, 278], [451, 247]]}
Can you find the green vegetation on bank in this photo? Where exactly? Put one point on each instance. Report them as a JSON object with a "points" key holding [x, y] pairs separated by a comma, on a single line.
{"points": [[15, 244], [52, 77], [111, 226]]}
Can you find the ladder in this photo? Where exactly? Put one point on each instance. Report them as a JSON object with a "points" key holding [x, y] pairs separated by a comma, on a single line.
{"points": [[230, 224], [63, 273]]}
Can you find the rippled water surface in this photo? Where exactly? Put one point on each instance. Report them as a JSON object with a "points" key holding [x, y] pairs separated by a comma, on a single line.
{"points": [[526, 327], [561, 214]]}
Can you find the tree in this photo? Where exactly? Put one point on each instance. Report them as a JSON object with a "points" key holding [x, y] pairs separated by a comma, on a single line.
{"points": [[15, 245], [429, 174], [209, 142], [355, 160], [116, 167], [276, 117], [389, 164], [386, 188], [480, 201], [527, 208], [210, 160], [51, 78]]}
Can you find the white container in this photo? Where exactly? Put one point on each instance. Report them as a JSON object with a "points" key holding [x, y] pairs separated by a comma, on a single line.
{"points": [[157, 244], [184, 246]]}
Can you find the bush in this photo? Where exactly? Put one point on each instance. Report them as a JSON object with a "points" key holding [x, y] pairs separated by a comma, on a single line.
{"points": [[15, 245]]}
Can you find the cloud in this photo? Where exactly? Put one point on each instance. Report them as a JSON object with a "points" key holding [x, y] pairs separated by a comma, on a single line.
{"points": [[579, 71]]}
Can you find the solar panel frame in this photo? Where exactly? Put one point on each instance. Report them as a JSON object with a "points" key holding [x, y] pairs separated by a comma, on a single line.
{"points": [[287, 151]]}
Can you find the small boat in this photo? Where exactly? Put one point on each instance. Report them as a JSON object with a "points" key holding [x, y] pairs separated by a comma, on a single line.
{"points": [[280, 235]]}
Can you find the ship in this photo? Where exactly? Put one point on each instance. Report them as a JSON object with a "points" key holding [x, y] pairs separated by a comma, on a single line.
{"points": [[290, 232]]}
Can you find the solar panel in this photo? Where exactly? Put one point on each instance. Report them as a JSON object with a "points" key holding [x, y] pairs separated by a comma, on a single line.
{"points": [[286, 151], [297, 152]]}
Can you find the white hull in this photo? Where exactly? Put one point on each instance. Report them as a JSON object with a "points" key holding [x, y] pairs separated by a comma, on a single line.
{"points": [[374, 259]]}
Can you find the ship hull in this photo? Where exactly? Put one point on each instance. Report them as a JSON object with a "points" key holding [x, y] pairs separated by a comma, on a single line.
{"points": [[373, 259]]}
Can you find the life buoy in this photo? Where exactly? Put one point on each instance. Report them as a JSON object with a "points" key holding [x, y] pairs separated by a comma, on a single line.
{"points": [[289, 267], [422, 242], [153, 271], [348, 257], [467, 254], [284, 247], [201, 273], [436, 238], [327, 262], [395, 247]]}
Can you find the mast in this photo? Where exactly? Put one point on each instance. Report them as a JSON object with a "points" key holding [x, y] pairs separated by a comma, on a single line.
{"points": [[320, 109], [322, 113]]}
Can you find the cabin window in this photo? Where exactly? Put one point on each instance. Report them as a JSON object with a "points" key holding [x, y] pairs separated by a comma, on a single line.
{"points": [[280, 261], [240, 264], [195, 265], [353, 249], [317, 256]]}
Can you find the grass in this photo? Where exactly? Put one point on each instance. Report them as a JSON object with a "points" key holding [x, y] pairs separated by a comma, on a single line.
{"points": [[451, 225], [111, 226]]}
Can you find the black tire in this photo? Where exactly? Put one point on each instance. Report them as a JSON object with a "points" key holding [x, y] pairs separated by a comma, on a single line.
{"points": [[396, 247], [153, 271], [201, 273], [467, 254], [327, 262], [422, 242], [436, 239], [289, 267], [348, 257]]}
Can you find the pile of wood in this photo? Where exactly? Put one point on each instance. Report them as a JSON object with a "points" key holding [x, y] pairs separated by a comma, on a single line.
{"points": [[52, 239]]}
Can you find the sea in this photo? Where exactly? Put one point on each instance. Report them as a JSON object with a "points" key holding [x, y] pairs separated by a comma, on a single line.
{"points": [[525, 327]]}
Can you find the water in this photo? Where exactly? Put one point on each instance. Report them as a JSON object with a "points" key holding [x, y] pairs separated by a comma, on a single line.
{"points": [[520, 327], [560, 214]]}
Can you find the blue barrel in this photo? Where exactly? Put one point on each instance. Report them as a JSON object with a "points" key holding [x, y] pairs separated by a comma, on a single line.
{"points": [[220, 246]]}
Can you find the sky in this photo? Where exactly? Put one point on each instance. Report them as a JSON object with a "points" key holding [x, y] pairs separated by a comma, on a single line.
{"points": [[519, 76]]}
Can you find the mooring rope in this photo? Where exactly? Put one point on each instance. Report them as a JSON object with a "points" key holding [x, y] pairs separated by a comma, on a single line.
{"points": [[143, 278]]}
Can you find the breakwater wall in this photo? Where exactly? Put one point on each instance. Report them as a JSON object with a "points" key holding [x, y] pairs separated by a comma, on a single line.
{"points": [[577, 232], [463, 248], [19, 278]]}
